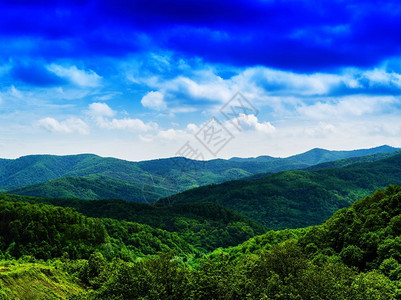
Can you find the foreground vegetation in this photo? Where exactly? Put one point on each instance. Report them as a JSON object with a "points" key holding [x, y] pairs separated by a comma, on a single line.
{"points": [[356, 254], [29, 279]]}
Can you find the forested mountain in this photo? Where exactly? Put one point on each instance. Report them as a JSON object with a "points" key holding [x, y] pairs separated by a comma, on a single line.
{"points": [[47, 231], [91, 187], [146, 181], [299, 198], [349, 161], [288, 199], [207, 226], [318, 155], [355, 254]]}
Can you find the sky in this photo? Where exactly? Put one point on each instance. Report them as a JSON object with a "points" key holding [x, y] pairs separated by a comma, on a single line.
{"points": [[204, 79]]}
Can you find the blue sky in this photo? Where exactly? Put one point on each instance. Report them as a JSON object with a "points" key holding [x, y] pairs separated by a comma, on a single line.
{"points": [[138, 79]]}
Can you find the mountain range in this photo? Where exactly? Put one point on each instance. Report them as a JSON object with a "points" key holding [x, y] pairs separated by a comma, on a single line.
{"points": [[88, 176], [209, 242]]}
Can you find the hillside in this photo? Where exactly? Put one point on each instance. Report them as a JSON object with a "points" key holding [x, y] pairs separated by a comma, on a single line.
{"points": [[354, 255], [146, 181], [294, 199], [207, 226], [369, 227], [45, 231], [24, 280], [90, 188]]}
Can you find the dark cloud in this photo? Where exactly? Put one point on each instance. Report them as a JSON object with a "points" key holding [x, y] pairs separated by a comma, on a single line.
{"points": [[296, 35]]}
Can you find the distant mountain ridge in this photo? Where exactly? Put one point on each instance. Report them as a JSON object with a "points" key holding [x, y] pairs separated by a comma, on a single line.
{"points": [[318, 155], [298, 198], [145, 181]]}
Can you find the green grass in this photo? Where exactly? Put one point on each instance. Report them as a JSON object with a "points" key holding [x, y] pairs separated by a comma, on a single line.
{"points": [[36, 281]]}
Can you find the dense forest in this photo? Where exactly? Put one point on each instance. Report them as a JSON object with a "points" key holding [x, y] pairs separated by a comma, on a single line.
{"points": [[207, 226], [353, 255], [298, 198]]}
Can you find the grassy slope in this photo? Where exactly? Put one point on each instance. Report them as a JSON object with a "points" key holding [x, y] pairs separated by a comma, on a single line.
{"points": [[35, 281], [294, 199]]}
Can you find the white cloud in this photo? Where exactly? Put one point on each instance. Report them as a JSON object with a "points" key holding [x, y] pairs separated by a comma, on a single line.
{"points": [[107, 96], [146, 138], [274, 81], [382, 77], [71, 125], [102, 114], [192, 128], [172, 134], [209, 87], [135, 125], [201, 88], [322, 130], [73, 74], [169, 134], [154, 100], [11, 94], [183, 109], [251, 123], [256, 84], [15, 92], [348, 107], [200, 85], [98, 109]]}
